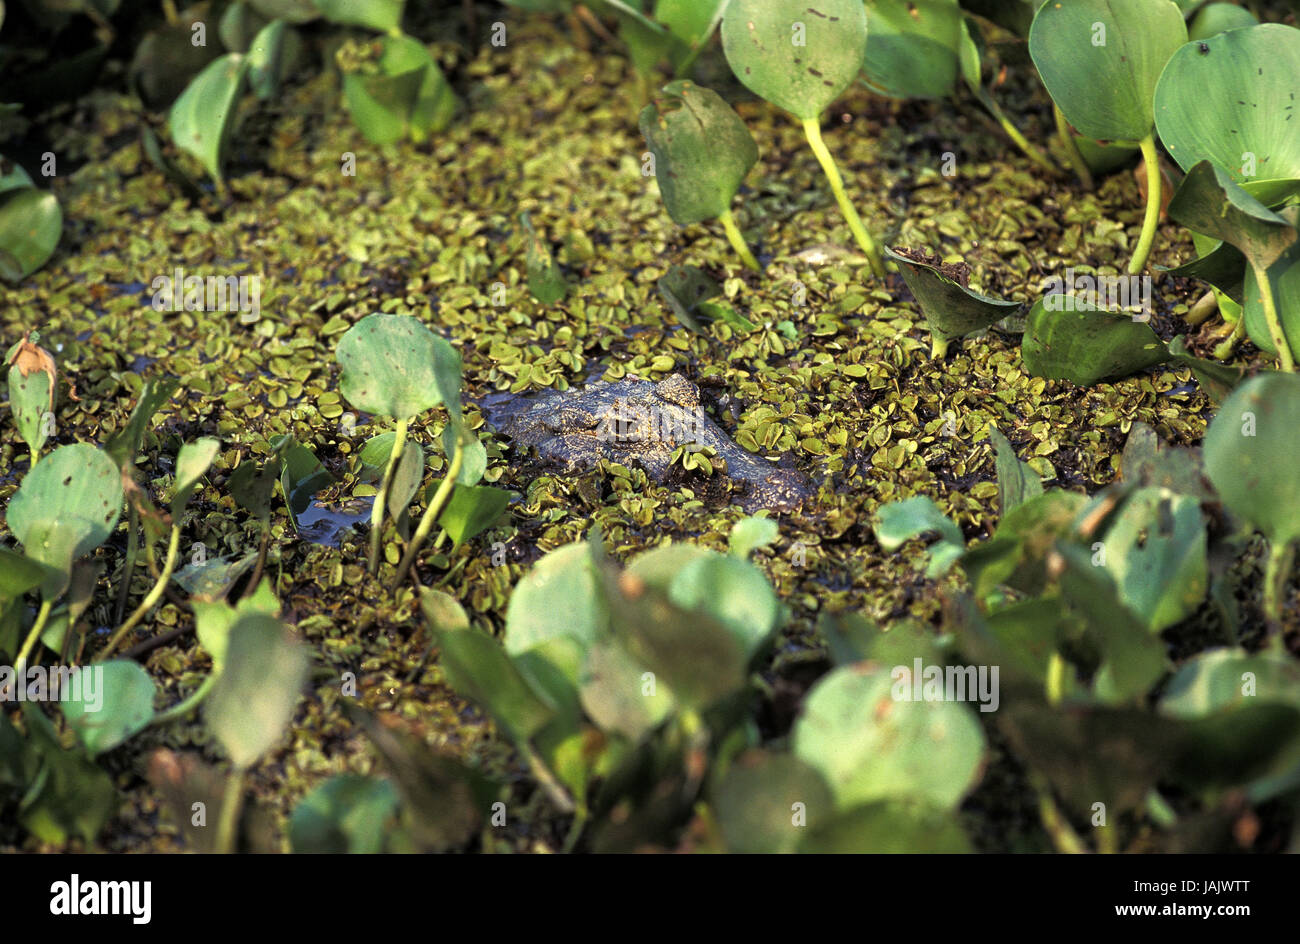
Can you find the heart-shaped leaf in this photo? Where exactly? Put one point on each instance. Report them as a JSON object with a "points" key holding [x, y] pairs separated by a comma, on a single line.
{"points": [[30, 225], [1128, 42], [203, 118], [1067, 338], [107, 703], [394, 366], [1249, 452], [79, 488], [471, 510], [1215, 18], [862, 730], [1226, 99], [702, 151], [800, 55]]}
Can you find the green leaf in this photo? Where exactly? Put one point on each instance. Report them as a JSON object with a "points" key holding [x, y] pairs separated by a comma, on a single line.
{"points": [[767, 802], [405, 482], [1156, 551], [30, 225], [1017, 481], [471, 510], [203, 118], [126, 443], [1085, 344], [29, 400], [474, 463], [684, 288], [800, 55], [302, 475], [76, 487], [378, 15], [951, 309], [899, 827], [545, 280], [1210, 202], [408, 97], [749, 534], [112, 708], [559, 598], [1128, 42], [213, 620], [477, 667], [702, 151], [620, 695], [913, 47], [267, 57], [348, 813], [1216, 380], [1228, 103], [1215, 18], [255, 696], [899, 522], [1249, 455], [394, 366], [68, 794], [191, 465], [19, 574], [863, 732]]}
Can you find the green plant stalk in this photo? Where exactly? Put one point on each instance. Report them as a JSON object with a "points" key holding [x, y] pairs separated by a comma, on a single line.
{"points": [[686, 64], [430, 517], [812, 130], [938, 347], [128, 568], [231, 801], [1200, 313], [155, 594], [1062, 834], [1224, 349], [1014, 133], [1072, 154], [184, 707], [1152, 161], [381, 497], [1271, 318], [1280, 558], [42, 617], [737, 240], [1055, 678]]}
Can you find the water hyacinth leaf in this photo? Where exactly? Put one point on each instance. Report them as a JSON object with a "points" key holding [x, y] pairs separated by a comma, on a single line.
{"points": [[545, 280], [79, 488], [153, 397], [756, 800], [685, 288], [870, 745], [405, 483], [1215, 18], [1146, 461], [559, 597], [899, 522], [702, 151], [238, 25], [213, 578], [252, 486], [951, 309], [1017, 481], [268, 54], [691, 21], [1209, 201], [913, 47], [30, 400], [620, 695], [1223, 267], [302, 475], [203, 117], [800, 55], [347, 814], [191, 465], [255, 695], [1072, 42], [473, 463], [30, 225], [897, 827], [471, 510], [1249, 450], [478, 668], [13, 176], [1156, 551], [406, 96], [213, 620], [1228, 679], [732, 591], [1076, 341], [116, 706], [1225, 98], [749, 534], [389, 366], [379, 15], [19, 574], [70, 795]]}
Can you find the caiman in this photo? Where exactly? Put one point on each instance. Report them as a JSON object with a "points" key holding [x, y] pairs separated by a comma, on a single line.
{"points": [[634, 421]]}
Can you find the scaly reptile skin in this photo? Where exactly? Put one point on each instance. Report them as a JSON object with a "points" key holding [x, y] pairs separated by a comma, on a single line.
{"points": [[636, 421]]}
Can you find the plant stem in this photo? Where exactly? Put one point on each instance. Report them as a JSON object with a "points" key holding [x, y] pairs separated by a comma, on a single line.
{"points": [[1152, 217], [430, 517], [1055, 678], [737, 240], [231, 801], [1270, 316], [1224, 350], [1200, 313], [938, 347], [1072, 150], [1063, 836], [42, 617], [381, 497], [1280, 558], [812, 130], [128, 568], [185, 706], [1014, 133], [155, 594]]}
